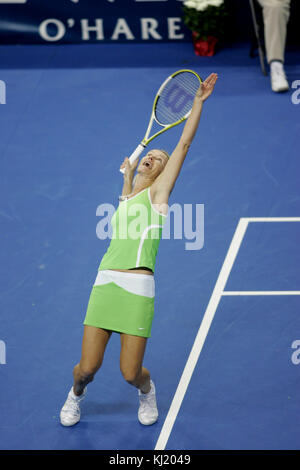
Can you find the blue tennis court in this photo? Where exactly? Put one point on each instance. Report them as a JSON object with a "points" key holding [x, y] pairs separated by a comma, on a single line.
{"points": [[226, 315]]}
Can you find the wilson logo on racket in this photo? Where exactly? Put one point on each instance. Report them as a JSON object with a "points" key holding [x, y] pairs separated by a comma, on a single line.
{"points": [[177, 99], [172, 105]]}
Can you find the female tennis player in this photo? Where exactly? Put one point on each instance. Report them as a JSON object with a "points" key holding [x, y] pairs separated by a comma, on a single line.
{"points": [[122, 298]]}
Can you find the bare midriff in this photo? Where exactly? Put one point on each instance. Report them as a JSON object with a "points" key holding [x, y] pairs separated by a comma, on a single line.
{"points": [[135, 270]]}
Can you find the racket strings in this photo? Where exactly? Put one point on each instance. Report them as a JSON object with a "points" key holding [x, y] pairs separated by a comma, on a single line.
{"points": [[176, 98], [188, 81]]}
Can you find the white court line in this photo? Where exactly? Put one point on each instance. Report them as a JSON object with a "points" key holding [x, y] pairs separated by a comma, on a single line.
{"points": [[272, 219], [201, 335], [262, 292], [208, 318]]}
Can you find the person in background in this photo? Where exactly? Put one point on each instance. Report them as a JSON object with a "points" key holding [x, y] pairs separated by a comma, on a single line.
{"points": [[276, 15]]}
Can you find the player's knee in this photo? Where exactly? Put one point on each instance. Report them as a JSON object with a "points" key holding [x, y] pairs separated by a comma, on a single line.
{"points": [[86, 373], [131, 375]]}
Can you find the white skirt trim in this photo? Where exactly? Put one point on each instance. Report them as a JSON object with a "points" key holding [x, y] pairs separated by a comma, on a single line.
{"points": [[139, 284]]}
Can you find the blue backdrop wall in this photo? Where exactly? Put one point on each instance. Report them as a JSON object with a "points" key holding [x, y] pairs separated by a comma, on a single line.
{"points": [[94, 21], [91, 21]]}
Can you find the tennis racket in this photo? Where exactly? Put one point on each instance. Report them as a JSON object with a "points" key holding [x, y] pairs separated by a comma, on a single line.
{"points": [[172, 105]]}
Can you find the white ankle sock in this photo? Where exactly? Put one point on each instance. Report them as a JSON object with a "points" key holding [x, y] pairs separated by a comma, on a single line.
{"points": [[276, 64], [76, 397]]}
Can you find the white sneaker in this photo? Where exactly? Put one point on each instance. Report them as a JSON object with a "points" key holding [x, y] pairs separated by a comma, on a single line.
{"points": [[148, 413], [70, 412], [278, 77]]}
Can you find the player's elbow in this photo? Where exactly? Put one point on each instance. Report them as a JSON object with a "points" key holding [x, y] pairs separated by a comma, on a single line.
{"points": [[185, 145]]}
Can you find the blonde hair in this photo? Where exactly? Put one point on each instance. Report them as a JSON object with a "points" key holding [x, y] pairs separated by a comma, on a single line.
{"points": [[164, 152]]}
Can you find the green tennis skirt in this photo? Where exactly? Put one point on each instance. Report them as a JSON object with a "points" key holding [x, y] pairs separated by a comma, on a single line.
{"points": [[122, 302]]}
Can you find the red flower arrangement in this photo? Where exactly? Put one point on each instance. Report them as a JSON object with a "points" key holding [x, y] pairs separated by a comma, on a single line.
{"points": [[206, 19]]}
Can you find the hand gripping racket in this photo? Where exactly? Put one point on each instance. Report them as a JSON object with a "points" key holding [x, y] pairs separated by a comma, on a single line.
{"points": [[172, 105]]}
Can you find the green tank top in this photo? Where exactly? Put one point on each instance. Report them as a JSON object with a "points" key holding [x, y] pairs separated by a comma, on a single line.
{"points": [[136, 233]]}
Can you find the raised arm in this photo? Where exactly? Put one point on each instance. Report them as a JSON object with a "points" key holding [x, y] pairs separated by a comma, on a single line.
{"points": [[128, 176], [165, 182]]}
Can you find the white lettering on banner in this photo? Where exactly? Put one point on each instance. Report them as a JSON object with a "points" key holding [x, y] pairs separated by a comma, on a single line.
{"points": [[60, 30], [85, 29], [13, 1], [122, 28], [149, 26], [94, 29], [173, 27]]}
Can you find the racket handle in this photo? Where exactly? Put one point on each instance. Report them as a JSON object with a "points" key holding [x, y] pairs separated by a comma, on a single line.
{"points": [[140, 148]]}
